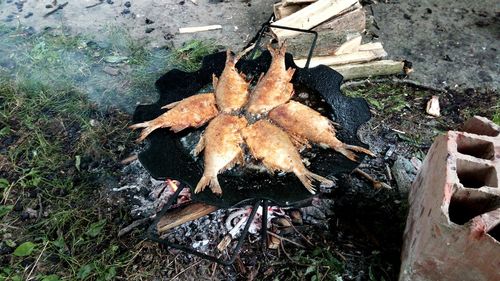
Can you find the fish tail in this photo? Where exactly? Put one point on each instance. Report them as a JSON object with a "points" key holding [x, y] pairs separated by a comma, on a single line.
{"points": [[347, 149], [307, 177], [306, 181], [347, 153], [230, 58], [359, 149], [211, 181], [148, 126]]}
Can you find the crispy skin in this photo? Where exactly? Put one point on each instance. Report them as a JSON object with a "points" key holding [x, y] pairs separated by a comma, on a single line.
{"points": [[221, 142], [193, 111], [305, 124], [274, 148], [274, 88], [231, 88]]}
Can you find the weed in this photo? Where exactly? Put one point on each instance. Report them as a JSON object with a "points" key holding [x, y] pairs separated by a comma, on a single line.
{"points": [[316, 264], [190, 55], [61, 138]]}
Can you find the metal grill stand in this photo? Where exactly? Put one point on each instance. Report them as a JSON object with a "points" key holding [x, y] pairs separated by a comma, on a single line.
{"points": [[175, 85], [153, 234]]}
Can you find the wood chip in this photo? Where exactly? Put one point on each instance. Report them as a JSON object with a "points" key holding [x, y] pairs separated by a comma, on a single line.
{"points": [[199, 28], [432, 107], [281, 11], [180, 215]]}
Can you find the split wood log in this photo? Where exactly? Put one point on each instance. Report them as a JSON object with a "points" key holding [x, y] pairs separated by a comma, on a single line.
{"points": [[351, 46], [370, 69], [331, 35], [371, 46], [357, 57], [311, 16], [281, 11], [183, 214], [354, 13], [292, 2], [199, 28]]}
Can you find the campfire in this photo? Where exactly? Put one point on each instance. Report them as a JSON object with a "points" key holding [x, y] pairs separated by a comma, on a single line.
{"points": [[254, 197]]}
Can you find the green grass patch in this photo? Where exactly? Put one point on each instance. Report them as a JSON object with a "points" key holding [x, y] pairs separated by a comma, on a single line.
{"points": [[62, 132], [317, 264], [189, 56], [70, 230]]}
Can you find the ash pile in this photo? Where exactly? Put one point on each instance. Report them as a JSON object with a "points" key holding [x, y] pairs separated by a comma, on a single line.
{"points": [[211, 230]]}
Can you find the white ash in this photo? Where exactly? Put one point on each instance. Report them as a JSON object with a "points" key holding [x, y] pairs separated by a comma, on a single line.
{"points": [[147, 196], [141, 190], [320, 210], [202, 234]]}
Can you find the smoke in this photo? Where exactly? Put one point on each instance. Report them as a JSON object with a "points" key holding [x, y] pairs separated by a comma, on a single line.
{"points": [[115, 72]]}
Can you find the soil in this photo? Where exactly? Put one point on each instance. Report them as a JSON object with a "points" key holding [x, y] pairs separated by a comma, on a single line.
{"points": [[451, 44]]}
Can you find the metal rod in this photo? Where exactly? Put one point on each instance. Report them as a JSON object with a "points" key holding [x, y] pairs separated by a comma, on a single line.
{"points": [[263, 229], [153, 235], [313, 44], [245, 232], [268, 26]]}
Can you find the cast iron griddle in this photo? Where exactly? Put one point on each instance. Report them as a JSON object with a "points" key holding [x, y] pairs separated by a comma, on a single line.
{"points": [[166, 157]]}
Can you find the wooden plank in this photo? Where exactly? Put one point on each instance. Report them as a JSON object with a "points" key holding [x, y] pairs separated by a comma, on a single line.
{"points": [[199, 28], [292, 2], [370, 69], [371, 46], [183, 214], [311, 16], [281, 11], [357, 57], [354, 15], [328, 38]]}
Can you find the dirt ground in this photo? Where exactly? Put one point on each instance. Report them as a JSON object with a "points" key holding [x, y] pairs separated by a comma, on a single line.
{"points": [[452, 44], [69, 82]]}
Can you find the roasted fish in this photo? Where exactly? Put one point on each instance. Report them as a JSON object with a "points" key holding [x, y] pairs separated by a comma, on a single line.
{"points": [[305, 125], [274, 148], [222, 144], [231, 88], [273, 88], [193, 111]]}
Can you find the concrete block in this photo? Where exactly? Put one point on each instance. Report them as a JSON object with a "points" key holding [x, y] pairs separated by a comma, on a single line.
{"points": [[453, 226]]}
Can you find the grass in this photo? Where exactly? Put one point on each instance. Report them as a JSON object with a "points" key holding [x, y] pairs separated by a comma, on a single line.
{"points": [[407, 105], [48, 130], [63, 131], [317, 264], [189, 56]]}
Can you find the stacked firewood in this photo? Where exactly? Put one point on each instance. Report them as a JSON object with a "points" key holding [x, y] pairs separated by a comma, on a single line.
{"points": [[340, 25]]}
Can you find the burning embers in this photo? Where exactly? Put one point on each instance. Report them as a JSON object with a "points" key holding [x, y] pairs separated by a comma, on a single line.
{"points": [[262, 121]]}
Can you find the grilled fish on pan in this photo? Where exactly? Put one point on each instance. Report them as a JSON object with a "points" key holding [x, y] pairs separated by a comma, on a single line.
{"points": [[193, 111], [231, 88], [273, 88], [304, 125], [221, 143], [274, 148]]}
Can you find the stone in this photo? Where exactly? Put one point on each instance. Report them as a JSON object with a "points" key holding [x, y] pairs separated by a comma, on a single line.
{"points": [[404, 172], [453, 226]]}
